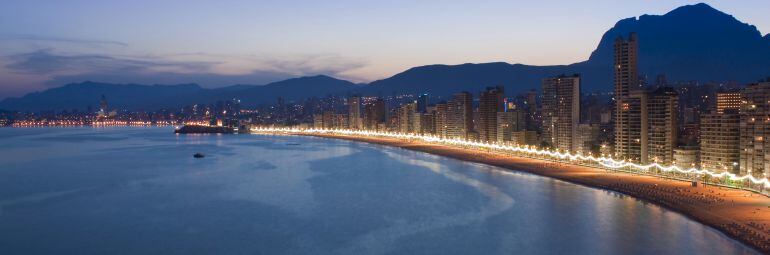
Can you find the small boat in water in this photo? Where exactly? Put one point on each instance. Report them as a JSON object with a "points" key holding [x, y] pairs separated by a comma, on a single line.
{"points": [[198, 155]]}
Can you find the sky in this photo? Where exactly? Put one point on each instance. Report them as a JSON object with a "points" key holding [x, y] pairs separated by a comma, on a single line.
{"points": [[48, 43]]}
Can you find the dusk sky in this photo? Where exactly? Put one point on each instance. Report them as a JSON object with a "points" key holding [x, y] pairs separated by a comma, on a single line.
{"points": [[45, 44]]}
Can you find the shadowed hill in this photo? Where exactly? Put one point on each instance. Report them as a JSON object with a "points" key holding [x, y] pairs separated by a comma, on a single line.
{"points": [[152, 97]]}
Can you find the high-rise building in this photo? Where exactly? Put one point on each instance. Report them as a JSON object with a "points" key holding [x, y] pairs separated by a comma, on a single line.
{"points": [[628, 132], [561, 111], [755, 129], [354, 113], [340, 121], [460, 115], [318, 121], [728, 100], [626, 72], [587, 139], [720, 141], [631, 141], [490, 103], [328, 120], [422, 103], [532, 108], [424, 123], [440, 116], [662, 124], [509, 122], [374, 114], [406, 118]]}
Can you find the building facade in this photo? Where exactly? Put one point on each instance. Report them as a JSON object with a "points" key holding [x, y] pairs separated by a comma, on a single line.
{"points": [[728, 100], [561, 111], [720, 141], [754, 130], [490, 103], [508, 123], [587, 139], [460, 115], [627, 133], [354, 113], [687, 157], [374, 115], [662, 125], [440, 117]]}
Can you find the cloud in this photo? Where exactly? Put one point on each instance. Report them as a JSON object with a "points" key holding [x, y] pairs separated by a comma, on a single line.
{"points": [[46, 68], [207, 79], [57, 40], [316, 64], [46, 62]]}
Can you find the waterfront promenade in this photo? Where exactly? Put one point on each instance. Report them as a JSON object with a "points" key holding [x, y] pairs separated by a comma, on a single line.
{"points": [[741, 214]]}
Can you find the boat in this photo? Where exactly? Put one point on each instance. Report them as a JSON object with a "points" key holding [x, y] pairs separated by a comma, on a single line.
{"points": [[198, 155]]}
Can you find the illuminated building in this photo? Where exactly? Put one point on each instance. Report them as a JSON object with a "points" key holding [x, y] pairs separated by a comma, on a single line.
{"points": [[631, 141], [662, 124], [328, 120], [460, 115], [561, 111], [340, 121], [490, 103], [318, 121], [354, 113], [586, 137], [440, 117], [423, 123], [728, 100], [687, 157], [720, 141], [422, 103], [406, 119], [509, 122], [374, 115], [628, 132], [754, 130]]}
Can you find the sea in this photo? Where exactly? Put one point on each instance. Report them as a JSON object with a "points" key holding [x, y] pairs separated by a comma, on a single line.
{"points": [[139, 190]]}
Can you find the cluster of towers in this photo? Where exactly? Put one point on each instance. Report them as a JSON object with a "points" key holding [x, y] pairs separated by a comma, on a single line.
{"points": [[644, 124]]}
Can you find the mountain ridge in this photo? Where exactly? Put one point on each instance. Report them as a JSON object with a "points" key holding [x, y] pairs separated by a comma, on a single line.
{"points": [[153, 97]]}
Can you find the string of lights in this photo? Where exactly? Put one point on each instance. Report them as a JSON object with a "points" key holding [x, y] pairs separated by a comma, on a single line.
{"points": [[603, 161]]}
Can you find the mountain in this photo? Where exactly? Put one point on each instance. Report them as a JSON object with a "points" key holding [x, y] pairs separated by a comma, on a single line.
{"points": [[122, 96], [291, 89], [153, 97], [693, 42], [690, 43], [444, 80]]}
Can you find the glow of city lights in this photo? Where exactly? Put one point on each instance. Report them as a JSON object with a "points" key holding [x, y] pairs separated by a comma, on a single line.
{"points": [[603, 161]]}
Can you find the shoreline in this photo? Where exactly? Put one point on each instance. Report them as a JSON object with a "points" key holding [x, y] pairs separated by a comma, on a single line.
{"points": [[742, 215]]}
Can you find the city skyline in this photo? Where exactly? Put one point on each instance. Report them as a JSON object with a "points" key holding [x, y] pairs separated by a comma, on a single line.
{"points": [[172, 52], [245, 127]]}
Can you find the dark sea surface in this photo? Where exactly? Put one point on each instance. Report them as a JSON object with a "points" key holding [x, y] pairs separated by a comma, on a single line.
{"points": [[140, 191]]}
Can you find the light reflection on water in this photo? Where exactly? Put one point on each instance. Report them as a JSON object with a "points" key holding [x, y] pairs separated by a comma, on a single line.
{"points": [[139, 190]]}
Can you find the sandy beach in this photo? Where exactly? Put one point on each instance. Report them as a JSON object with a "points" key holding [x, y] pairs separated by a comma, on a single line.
{"points": [[741, 214]]}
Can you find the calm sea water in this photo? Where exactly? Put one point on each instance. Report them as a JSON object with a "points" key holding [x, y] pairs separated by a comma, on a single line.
{"points": [[140, 191]]}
